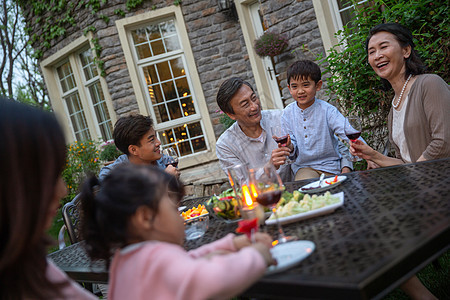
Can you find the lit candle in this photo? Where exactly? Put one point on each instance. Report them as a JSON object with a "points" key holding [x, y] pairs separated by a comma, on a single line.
{"points": [[251, 209], [248, 201]]}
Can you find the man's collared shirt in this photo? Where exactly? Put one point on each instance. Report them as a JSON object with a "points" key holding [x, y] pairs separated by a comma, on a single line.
{"points": [[234, 147]]}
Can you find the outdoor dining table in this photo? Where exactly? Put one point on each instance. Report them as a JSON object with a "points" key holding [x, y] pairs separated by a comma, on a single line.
{"points": [[394, 221]]}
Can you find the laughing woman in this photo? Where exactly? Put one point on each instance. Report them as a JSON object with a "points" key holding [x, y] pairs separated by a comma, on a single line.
{"points": [[418, 123]]}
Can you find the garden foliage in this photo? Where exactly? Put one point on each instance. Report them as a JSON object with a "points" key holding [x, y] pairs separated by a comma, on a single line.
{"points": [[354, 85], [82, 159], [109, 152]]}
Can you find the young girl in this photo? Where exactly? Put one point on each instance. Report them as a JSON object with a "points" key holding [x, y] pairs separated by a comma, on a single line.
{"points": [[32, 157], [135, 213]]}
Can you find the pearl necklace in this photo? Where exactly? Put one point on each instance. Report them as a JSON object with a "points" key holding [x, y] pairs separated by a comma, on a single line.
{"points": [[401, 93]]}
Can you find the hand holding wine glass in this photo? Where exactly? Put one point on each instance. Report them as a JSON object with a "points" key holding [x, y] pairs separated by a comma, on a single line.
{"points": [[352, 129], [173, 157], [281, 137], [269, 188]]}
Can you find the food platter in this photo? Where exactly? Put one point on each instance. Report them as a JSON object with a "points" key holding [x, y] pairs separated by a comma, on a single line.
{"points": [[289, 254], [312, 213], [309, 188]]}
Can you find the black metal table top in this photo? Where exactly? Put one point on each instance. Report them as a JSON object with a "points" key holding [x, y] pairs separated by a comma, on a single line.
{"points": [[393, 222]]}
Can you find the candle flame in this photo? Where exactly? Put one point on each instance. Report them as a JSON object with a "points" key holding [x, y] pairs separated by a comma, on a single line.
{"points": [[254, 192], [246, 195]]}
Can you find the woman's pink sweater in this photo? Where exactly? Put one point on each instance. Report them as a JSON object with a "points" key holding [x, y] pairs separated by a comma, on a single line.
{"points": [[158, 270]]}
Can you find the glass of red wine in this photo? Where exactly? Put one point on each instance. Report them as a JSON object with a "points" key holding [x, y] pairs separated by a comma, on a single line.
{"points": [[269, 188], [280, 136], [173, 157], [352, 130]]}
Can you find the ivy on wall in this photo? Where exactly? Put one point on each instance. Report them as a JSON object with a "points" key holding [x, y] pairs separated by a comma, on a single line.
{"points": [[57, 15]]}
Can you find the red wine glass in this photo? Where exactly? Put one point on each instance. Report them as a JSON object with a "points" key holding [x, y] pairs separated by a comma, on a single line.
{"points": [[280, 136], [352, 130], [173, 157], [269, 187]]}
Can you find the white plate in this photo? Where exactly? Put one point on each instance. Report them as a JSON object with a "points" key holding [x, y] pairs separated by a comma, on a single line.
{"points": [[289, 254], [324, 186], [312, 213]]}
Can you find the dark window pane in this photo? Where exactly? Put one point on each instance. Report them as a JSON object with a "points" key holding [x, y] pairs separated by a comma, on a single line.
{"points": [[143, 51], [174, 110], [182, 87], [169, 90], [150, 75], [185, 148], [181, 133], [157, 47], [344, 3], [188, 106], [199, 144], [177, 67], [195, 129], [164, 71], [157, 96], [161, 113], [166, 136]]}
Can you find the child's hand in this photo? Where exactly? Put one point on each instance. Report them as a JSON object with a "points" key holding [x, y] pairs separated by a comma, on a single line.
{"points": [[242, 241], [265, 252], [264, 238]]}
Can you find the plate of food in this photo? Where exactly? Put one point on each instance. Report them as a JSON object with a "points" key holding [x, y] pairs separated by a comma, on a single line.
{"points": [[224, 207], [327, 184], [289, 254], [306, 206]]}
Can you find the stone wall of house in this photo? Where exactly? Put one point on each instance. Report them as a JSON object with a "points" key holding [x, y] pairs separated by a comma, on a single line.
{"points": [[297, 21], [216, 40]]}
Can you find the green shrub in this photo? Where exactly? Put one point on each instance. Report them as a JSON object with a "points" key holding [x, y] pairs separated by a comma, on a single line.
{"points": [[225, 120], [82, 159], [109, 152], [355, 87]]}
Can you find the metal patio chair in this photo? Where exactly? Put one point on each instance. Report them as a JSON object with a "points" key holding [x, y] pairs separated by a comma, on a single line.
{"points": [[71, 217]]}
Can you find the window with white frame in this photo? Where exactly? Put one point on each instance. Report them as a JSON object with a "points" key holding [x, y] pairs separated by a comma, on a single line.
{"points": [[345, 11], [78, 76], [169, 95]]}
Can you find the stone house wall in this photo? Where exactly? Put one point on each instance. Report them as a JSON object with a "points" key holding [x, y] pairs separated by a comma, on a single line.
{"points": [[216, 40]]}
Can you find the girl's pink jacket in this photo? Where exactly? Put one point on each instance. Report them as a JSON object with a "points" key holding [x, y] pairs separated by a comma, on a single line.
{"points": [[157, 270]]}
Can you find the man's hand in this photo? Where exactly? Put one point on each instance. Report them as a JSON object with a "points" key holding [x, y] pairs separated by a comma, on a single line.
{"points": [[279, 156]]}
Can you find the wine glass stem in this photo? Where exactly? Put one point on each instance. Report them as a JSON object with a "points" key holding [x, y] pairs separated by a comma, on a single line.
{"points": [[281, 235]]}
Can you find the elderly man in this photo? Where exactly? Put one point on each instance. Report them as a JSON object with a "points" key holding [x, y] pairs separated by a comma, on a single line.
{"points": [[249, 139]]}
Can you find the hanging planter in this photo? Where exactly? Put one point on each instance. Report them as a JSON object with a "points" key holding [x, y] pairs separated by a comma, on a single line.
{"points": [[270, 44]]}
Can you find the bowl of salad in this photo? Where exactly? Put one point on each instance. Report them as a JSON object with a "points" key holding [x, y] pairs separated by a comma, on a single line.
{"points": [[224, 207]]}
